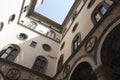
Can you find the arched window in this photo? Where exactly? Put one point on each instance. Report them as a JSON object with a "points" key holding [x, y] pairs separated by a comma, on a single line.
{"points": [[10, 52], [40, 64], [60, 63], [51, 34], [99, 12], [76, 42]]}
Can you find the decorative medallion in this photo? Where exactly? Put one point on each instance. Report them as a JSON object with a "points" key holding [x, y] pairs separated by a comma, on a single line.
{"points": [[13, 74], [32, 24], [90, 44]]}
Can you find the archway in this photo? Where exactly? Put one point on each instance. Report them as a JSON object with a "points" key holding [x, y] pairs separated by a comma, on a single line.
{"points": [[110, 54], [83, 72]]}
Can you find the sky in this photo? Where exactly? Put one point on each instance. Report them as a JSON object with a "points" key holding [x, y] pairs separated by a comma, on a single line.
{"points": [[55, 10]]}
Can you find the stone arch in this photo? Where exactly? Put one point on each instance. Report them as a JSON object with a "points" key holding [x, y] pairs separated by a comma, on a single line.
{"points": [[86, 60]]}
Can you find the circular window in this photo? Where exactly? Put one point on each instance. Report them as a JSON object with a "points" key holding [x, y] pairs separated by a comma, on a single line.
{"points": [[90, 4], [22, 36], [75, 27], [11, 18], [63, 44], [46, 47], [1, 25]]}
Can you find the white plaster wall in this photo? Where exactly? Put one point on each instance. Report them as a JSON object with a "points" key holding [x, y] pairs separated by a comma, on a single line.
{"points": [[28, 54]]}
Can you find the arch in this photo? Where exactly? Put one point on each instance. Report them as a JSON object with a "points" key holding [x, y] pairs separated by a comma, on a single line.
{"points": [[83, 71], [82, 59], [109, 35], [32, 24], [40, 64], [109, 28], [76, 42], [51, 34], [110, 53], [60, 62], [10, 52]]}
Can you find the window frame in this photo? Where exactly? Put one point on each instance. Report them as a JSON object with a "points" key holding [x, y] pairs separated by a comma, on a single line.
{"points": [[43, 67], [97, 11], [77, 39], [8, 55], [51, 34]]}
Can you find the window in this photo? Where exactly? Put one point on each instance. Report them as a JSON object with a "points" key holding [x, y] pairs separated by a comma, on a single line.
{"points": [[103, 10], [97, 17], [75, 15], [51, 34], [62, 46], [60, 63], [11, 18], [99, 12], [22, 36], [40, 64], [10, 53], [46, 47], [32, 24], [75, 27], [33, 44], [76, 42]]}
